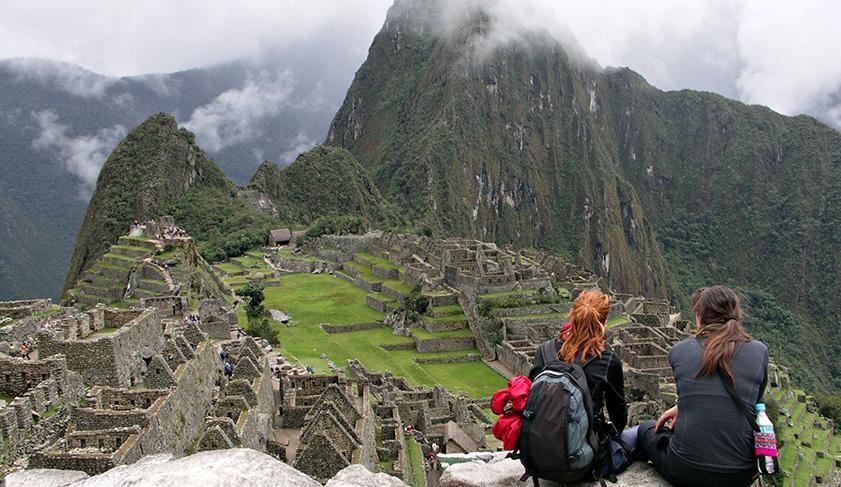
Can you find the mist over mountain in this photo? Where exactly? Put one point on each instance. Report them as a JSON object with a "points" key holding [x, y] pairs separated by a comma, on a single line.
{"points": [[59, 122]]}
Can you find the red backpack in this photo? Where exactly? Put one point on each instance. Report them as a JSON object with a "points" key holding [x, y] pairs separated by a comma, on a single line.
{"points": [[509, 404]]}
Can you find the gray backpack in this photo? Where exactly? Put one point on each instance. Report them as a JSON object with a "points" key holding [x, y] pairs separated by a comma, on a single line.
{"points": [[557, 441]]}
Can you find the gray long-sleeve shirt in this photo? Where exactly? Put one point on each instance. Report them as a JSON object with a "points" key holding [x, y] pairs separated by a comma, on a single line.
{"points": [[711, 433]]}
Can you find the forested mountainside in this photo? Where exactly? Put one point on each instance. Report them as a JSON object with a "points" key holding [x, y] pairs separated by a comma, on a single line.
{"points": [[58, 122], [160, 169], [323, 181], [526, 141]]}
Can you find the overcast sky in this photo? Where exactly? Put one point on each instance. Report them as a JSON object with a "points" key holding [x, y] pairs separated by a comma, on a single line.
{"points": [[786, 55]]}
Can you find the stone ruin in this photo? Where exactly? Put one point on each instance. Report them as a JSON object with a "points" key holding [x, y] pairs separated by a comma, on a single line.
{"points": [[330, 422], [109, 386]]}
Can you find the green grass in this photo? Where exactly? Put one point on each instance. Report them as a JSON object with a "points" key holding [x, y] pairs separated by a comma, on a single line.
{"points": [[379, 261], [289, 255], [131, 247], [537, 316], [6, 398], [414, 463], [365, 272], [229, 267], [445, 319], [448, 309], [617, 320], [425, 335], [398, 286], [505, 294], [104, 331], [314, 299]]}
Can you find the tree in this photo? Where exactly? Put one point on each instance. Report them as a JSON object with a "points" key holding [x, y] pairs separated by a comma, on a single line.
{"points": [[253, 295]]}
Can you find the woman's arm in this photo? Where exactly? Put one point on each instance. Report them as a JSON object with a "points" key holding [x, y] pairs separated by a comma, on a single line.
{"points": [[617, 408]]}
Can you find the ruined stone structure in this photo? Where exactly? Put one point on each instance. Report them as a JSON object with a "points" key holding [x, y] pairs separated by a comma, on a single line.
{"points": [[113, 351], [40, 394]]}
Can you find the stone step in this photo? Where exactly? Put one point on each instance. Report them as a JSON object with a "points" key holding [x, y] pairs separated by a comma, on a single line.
{"points": [[118, 260], [153, 285], [442, 311], [449, 323], [137, 242], [91, 300], [130, 251], [92, 289], [119, 272]]}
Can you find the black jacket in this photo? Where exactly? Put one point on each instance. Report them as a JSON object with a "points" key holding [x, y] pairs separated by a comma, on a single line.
{"points": [[606, 383]]}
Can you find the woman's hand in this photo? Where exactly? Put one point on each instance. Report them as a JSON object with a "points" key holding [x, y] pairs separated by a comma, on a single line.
{"points": [[670, 414]]}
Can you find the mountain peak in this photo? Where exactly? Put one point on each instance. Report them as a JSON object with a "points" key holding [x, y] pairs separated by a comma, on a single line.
{"points": [[153, 166]]}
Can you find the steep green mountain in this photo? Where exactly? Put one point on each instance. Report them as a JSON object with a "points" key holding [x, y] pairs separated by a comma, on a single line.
{"points": [[58, 122], [158, 169], [323, 181], [524, 141], [507, 145]]}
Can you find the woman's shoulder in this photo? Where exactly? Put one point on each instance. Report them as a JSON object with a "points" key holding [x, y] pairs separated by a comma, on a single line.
{"points": [[755, 346]]}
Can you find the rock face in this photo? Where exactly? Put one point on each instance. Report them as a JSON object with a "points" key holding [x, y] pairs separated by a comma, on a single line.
{"points": [[235, 467], [359, 476], [506, 473]]}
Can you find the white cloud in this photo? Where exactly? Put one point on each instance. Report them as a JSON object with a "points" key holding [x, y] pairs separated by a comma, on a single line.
{"points": [[303, 143], [71, 78], [82, 155], [792, 56], [235, 115], [124, 37], [771, 52]]}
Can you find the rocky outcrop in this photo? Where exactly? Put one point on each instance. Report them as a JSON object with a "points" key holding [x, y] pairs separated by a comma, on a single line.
{"points": [[502, 472], [234, 467], [359, 476]]}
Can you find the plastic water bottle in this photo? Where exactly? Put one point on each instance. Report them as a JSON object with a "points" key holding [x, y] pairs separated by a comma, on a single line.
{"points": [[766, 441]]}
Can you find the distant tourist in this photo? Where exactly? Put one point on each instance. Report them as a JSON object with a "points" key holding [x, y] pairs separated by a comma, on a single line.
{"points": [[711, 441], [229, 370], [581, 344], [239, 333], [24, 351]]}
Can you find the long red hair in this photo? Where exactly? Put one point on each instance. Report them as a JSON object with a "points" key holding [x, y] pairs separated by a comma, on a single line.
{"points": [[585, 336]]}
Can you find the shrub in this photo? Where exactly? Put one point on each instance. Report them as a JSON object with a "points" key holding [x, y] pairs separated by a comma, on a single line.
{"points": [[335, 225]]}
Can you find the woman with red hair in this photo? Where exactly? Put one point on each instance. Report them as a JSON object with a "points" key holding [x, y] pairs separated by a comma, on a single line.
{"points": [[582, 338]]}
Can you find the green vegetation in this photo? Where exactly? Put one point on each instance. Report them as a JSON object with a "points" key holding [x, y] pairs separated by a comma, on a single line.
{"points": [[314, 299], [258, 324], [335, 225], [155, 151], [223, 224], [323, 184], [414, 463]]}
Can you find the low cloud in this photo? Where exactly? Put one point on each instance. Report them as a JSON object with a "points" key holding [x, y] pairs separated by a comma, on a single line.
{"points": [[758, 51], [82, 155], [302, 143], [70, 78], [235, 115]]}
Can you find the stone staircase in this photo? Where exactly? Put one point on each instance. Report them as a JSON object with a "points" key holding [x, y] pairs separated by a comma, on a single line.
{"points": [[108, 279]]}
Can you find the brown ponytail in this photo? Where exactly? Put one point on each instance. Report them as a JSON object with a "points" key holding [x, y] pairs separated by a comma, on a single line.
{"points": [[721, 325], [587, 319]]}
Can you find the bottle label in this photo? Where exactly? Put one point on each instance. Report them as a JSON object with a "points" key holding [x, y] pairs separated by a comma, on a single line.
{"points": [[765, 443]]}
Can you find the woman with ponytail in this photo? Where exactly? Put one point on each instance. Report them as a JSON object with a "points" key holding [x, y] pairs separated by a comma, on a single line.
{"points": [[582, 339], [707, 440]]}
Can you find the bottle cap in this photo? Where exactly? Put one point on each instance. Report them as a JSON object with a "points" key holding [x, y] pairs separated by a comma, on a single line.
{"points": [[760, 407]]}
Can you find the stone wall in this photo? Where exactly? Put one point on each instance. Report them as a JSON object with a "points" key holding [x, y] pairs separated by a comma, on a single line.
{"points": [[114, 359], [176, 423], [17, 376], [444, 344], [21, 309], [354, 327]]}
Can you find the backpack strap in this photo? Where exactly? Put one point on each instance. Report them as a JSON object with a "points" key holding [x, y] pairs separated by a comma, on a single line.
{"points": [[731, 390], [548, 352], [739, 402]]}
